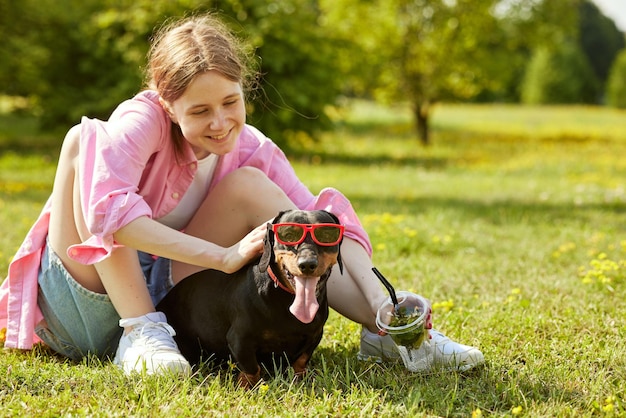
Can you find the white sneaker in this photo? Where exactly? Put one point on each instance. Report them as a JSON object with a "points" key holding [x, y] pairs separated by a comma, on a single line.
{"points": [[377, 348], [418, 359], [149, 347], [450, 355], [438, 352]]}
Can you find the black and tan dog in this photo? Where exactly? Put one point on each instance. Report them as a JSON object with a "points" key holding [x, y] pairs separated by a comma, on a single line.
{"points": [[268, 312]]}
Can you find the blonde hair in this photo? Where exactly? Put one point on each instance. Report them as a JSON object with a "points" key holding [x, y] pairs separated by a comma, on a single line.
{"points": [[185, 48]]}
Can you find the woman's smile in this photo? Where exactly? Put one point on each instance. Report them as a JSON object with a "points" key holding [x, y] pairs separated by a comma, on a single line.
{"points": [[211, 114]]}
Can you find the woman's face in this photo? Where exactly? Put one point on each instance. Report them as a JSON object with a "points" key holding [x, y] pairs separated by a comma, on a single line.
{"points": [[211, 114]]}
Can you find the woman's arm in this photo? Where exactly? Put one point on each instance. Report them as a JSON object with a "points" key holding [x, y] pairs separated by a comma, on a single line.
{"points": [[150, 236]]}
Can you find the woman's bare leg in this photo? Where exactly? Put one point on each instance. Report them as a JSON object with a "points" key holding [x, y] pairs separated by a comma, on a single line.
{"points": [[120, 275], [356, 294]]}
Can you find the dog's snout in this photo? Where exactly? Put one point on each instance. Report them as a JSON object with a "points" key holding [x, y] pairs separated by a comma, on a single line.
{"points": [[307, 265]]}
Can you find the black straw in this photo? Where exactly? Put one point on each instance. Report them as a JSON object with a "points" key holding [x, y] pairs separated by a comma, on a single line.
{"points": [[389, 287]]}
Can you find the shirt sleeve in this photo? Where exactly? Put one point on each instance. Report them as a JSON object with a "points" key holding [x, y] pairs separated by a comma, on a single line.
{"points": [[112, 158]]}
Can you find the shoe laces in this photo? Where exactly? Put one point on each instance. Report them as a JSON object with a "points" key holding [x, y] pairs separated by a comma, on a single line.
{"points": [[156, 335]]}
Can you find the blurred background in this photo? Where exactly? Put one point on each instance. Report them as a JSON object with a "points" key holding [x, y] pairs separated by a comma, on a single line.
{"points": [[62, 59]]}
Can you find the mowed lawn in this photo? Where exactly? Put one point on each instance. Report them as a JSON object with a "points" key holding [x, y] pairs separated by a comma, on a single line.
{"points": [[513, 223]]}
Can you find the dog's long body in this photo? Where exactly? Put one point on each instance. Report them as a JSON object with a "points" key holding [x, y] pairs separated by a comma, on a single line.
{"points": [[268, 312]]}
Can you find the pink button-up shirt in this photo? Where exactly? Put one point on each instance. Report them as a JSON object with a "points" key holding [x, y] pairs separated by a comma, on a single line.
{"points": [[129, 169]]}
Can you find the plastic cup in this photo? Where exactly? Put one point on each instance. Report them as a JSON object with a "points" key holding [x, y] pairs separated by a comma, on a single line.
{"points": [[407, 328]]}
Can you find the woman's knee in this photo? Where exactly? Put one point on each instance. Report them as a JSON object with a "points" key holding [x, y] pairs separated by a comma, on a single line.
{"points": [[71, 146], [248, 183], [246, 175]]}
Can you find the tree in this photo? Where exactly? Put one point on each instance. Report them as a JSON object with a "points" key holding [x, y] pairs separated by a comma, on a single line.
{"points": [[422, 51], [31, 43], [600, 39], [528, 25], [425, 51], [616, 85], [84, 56], [560, 74]]}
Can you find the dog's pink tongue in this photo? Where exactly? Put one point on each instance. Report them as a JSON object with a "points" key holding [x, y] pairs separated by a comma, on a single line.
{"points": [[305, 305]]}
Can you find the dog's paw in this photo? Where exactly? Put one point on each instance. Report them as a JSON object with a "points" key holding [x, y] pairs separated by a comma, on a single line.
{"points": [[248, 380], [299, 366], [299, 375]]}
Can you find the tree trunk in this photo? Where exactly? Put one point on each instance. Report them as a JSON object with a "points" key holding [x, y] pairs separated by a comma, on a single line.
{"points": [[421, 112]]}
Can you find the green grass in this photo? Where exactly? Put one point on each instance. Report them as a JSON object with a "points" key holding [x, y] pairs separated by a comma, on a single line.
{"points": [[513, 223]]}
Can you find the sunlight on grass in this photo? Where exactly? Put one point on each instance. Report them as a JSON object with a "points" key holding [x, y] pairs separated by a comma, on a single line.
{"points": [[511, 223], [569, 123]]}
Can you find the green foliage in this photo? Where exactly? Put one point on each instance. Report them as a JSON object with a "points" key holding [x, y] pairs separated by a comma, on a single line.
{"points": [[616, 85], [298, 65], [559, 75], [105, 56], [84, 57], [88, 56], [600, 39], [427, 51], [559, 28], [523, 26], [421, 51]]}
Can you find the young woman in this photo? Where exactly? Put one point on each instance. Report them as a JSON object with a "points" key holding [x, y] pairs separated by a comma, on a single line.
{"points": [[174, 182]]}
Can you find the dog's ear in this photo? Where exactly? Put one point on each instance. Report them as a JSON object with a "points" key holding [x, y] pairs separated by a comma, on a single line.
{"points": [[336, 219], [332, 215], [339, 260], [280, 215], [268, 249]]}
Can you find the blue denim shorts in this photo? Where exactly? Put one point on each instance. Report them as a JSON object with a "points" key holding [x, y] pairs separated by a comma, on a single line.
{"points": [[77, 321]]}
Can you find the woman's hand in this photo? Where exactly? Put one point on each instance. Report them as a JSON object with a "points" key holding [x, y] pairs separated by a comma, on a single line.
{"points": [[250, 247]]}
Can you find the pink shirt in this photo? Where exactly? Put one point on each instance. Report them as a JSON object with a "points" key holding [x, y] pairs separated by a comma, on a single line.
{"points": [[128, 170]]}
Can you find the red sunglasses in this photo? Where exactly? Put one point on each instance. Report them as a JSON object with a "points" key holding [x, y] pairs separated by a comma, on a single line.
{"points": [[292, 234]]}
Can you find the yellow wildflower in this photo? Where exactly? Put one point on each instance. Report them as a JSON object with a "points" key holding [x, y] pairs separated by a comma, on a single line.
{"points": [[445, 306], [608, 407], [264, 388]]}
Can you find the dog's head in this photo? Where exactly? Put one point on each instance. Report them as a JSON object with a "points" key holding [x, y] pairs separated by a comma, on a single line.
{"points": [[304, 266]]}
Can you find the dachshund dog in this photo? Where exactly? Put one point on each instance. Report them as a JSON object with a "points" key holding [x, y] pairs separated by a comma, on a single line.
{"points": [[271, 311]]}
